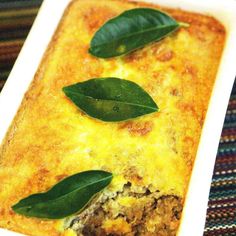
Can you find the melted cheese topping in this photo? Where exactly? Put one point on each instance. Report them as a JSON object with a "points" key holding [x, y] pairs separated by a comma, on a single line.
{"points": [[51, 139]]}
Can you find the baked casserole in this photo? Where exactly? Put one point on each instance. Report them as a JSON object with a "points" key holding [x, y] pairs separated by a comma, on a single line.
{"points": [[151, 156]]}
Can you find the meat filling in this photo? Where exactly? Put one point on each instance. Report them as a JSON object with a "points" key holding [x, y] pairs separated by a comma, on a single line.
{"points": [[130, 213]]}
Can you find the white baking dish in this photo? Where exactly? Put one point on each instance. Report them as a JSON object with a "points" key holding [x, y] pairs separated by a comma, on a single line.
{"points": [[193, 217]]}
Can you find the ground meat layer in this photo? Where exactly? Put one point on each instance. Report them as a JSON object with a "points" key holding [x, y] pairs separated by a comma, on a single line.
{"points": [[130, 213]]}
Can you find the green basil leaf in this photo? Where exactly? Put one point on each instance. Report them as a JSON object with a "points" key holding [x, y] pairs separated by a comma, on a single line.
{"points": [[111, 99], [67, 197], [131, 30]]}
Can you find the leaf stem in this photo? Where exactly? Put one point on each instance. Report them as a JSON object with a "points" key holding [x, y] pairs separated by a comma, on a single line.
{"points": [[183, 24]]}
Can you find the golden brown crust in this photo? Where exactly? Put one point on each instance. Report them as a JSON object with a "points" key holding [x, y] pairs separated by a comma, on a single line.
{"points": [[50, 139]]}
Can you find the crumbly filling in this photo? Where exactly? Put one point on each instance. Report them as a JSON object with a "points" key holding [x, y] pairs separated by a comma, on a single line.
{"points": [[130, 213]]}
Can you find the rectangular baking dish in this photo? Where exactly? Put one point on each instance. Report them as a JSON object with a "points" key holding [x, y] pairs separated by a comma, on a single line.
{"points": [[194, 213]]}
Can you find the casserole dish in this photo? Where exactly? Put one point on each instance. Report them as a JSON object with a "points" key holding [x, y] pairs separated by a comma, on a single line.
{"points": [[198, 168]]}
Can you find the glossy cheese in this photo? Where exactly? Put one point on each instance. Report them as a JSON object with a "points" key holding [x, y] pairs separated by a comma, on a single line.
{"points": [[51, 139]]}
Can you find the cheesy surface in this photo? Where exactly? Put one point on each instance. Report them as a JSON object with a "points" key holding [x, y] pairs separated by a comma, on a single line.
{"points": [[51, 139]]}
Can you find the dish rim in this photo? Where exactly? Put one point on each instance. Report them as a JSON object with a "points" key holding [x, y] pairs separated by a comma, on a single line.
{"points": [[193, 216]]}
